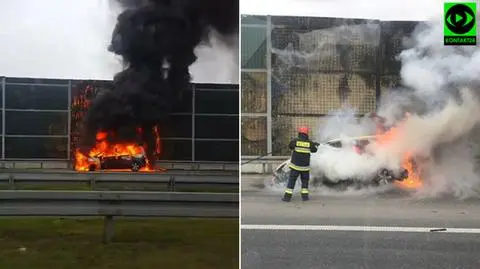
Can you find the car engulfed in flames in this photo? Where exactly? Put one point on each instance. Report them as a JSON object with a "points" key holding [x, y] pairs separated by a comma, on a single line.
{"points": [[382, 176], [118, 157], [405, 176], [106, 155]]}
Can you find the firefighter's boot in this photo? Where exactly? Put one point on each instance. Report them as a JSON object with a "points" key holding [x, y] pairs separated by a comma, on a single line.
{"points": [[287, 197], [304, 193]]}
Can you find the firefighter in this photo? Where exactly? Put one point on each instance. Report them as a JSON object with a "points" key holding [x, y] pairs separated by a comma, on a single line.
{"points": [[299, 165]]}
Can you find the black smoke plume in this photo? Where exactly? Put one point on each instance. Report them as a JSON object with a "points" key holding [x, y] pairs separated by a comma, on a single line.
{"points": [[156, 40]]}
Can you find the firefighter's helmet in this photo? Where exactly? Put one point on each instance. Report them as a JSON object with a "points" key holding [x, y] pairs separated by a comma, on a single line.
{"points": [[303, 130]]}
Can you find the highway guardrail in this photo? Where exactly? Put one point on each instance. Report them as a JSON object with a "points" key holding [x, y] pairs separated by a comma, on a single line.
{"points": [[110, 204], [171, 181]]}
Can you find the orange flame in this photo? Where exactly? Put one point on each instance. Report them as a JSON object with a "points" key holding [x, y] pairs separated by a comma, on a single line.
{"points": [[393, 134], [413, 181], [103, 148]]}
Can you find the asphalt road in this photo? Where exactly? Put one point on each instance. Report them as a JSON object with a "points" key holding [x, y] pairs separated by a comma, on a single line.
{"points": [[272, 245], [385, 210], [350, 250]]}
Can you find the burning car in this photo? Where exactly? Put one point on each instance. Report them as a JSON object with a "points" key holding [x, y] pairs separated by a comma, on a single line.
{"points": [[110, 156], [132, 162], [357, 147]]}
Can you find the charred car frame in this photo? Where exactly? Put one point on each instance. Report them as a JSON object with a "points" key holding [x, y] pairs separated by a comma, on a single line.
{"points": [[132, 162]]}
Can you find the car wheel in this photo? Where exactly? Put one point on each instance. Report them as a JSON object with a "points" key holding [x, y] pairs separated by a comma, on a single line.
{"points": [[135, 167], [91, 168], [403, 174]]}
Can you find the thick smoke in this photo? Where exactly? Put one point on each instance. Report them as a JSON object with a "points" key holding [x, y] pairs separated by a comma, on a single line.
{"points": [[343, 162], [445, 80], [344, 123], [157, 40], [441, 94]]}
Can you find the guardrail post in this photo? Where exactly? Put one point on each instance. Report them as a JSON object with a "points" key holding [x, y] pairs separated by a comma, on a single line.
{"points": [[11, 182], [171, 184], [108, 229], [92, 182]]}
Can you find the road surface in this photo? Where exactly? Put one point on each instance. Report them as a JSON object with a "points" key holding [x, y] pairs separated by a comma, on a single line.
{"points": [[387, 231]]}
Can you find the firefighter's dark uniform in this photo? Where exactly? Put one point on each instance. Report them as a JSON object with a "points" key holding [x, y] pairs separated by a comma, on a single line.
{"points": [[300, 165]]}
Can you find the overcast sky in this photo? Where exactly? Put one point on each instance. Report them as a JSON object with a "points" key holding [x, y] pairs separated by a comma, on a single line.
{"points": [[367, 9], [69, 38]]}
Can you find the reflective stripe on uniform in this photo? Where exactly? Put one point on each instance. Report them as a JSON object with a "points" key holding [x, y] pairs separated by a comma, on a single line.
{"points": [[303, 144], [289, 191], [302, 150], [299, 168], [304, 191]]}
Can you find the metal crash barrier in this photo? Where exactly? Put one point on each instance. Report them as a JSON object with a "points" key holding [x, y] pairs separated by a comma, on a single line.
{"points": [[110, 204], [200, 181]]}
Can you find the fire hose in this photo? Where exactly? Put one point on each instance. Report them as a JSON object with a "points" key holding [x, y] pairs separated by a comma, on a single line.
{"points": [[316, 144], [271, 152]]}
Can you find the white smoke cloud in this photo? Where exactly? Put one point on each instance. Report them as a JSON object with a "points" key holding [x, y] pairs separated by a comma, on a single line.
{"points": [[437, 65], [69, 39], [446, 79], [220, 56], [445, 94], [344, 123], [344, 163]]}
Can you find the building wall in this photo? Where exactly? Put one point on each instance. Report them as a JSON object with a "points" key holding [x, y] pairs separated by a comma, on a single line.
{"points": [[37, 119], [296, 70]]}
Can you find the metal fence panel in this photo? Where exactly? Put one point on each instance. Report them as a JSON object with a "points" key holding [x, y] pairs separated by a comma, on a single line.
{"points": [[318, 65], [43, 118]]}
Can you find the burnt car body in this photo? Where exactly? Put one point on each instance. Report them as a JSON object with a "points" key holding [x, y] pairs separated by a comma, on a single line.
{"points": [[132, 162], [381, 176]]}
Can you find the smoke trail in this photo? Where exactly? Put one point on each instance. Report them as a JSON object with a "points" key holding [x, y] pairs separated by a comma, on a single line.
{"points": [[157, 42]]}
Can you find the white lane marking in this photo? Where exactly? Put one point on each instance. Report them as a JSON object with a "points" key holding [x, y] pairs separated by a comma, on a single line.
{"points": [[360, 228]]}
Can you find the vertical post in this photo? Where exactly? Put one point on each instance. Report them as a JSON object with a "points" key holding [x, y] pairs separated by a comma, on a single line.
{"points": [[108, 229], [378, 65], [92, 182], [269, 83], [11, 182], [193, 122], [69, 121], [3, 116], [171, 184]]}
